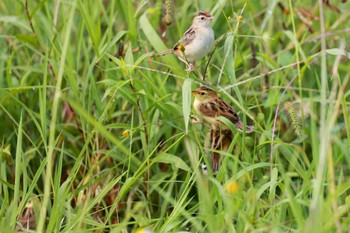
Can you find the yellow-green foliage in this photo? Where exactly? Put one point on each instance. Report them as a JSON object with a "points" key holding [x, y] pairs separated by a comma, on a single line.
{"points": [[293, 117], [169, 12]]}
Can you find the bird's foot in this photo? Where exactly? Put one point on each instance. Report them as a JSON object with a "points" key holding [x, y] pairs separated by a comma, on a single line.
{"points": [[195, 120], [190, 67]]}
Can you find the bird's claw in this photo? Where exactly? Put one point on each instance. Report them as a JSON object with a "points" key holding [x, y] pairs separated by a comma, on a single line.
{"points": [[190, 68]]}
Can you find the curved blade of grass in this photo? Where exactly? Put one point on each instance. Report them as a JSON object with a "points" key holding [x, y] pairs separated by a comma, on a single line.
{"points": [[174, 160], [94, 28], [186, 101], [337, 52], [19, 154]]}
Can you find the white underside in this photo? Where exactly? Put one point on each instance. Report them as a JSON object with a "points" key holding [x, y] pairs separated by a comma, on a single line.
{"points": [[201, 45]]}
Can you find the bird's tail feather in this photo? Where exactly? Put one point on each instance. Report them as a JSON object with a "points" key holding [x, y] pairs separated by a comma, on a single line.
{"points": [[165, 52], [240, 126], [220, 140]]}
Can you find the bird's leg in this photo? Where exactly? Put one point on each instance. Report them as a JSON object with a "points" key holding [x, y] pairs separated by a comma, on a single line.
{"points": [[195, 119], [193, 66], [184, 61], [190, 67]]}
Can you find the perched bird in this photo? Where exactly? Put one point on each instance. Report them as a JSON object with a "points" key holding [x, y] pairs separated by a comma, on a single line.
{"points": [[196, 42], [210, 106]]}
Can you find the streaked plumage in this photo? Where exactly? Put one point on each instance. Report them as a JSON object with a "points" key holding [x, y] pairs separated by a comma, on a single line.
{"points": [[210, 106], [220, 141]]}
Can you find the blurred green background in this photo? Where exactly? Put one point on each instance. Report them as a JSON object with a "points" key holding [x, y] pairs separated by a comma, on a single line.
{"points": [[95, 130]]}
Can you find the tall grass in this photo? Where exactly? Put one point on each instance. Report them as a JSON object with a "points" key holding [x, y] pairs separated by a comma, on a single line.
{"points": [[96, 133]]}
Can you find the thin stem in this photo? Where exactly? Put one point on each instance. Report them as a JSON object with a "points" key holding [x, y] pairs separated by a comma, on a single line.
{"points": [[275, 119], [28, 16], [324, 134], [141, 113], [146, 136]]}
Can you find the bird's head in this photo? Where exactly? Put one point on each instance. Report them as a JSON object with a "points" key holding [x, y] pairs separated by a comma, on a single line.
{"points": [[203, 18], [204, 94]]}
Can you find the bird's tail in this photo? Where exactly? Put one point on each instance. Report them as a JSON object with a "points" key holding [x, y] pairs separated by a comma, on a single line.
{"points": [[215, 162], [220, 141], [165, 52], [248, 128]]}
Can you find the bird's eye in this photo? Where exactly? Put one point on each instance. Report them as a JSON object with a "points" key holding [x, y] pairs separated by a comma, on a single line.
{"points": [[202, 93], [202, 18]]}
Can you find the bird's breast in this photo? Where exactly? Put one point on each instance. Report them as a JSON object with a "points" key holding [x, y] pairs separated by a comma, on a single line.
{"points": [[198, 106], [201, 45]]}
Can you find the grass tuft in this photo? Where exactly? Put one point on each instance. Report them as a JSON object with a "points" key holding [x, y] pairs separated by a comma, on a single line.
{"points": [[293, 117]]}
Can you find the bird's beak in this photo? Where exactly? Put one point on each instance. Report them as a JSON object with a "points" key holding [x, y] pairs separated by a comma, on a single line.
{"points": [[194, 92], [211, 17]]}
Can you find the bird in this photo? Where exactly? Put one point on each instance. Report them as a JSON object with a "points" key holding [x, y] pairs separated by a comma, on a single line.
{"points": [[196, 42], [210, 106]]}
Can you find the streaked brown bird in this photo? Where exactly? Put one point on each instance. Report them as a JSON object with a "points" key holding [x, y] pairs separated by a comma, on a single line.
{"points": [[210, 106]]}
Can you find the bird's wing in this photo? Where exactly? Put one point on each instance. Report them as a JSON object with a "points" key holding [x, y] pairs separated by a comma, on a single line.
{"points": [[209, 109], [218, 107], [225, 110], [187, 38]]}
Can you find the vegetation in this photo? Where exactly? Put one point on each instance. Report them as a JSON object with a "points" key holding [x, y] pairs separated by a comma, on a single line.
{"points": [[96, 134]]}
